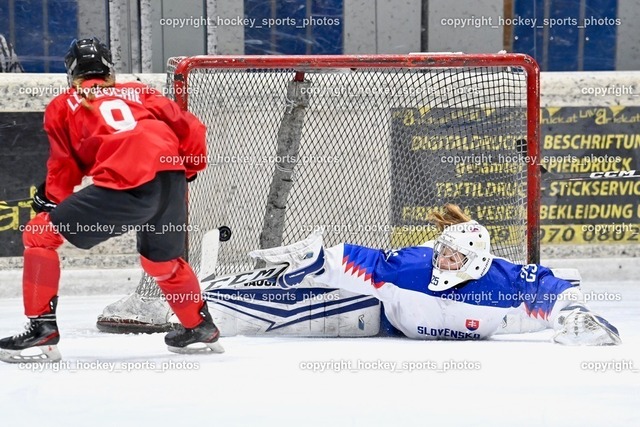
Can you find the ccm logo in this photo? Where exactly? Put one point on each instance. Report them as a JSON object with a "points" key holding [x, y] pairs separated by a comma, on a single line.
{"points": [[618, 174]]}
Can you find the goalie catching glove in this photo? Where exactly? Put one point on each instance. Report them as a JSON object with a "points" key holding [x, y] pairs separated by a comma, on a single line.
{"points": [[41, 202], [576, 325]]}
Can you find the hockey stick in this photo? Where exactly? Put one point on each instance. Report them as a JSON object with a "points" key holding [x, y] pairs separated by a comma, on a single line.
{"points": [[14, 202], [273, 274], [209, 260], [546, 175], [551, 176], [209, 249], [266, 275]]}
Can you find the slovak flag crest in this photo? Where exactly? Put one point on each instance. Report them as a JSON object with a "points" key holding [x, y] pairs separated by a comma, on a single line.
{"points": [[472, 324]]}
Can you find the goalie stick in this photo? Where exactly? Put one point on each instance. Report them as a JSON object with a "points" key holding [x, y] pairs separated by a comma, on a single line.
{"points": [[266, 276], [260, 276], [210, 247]]}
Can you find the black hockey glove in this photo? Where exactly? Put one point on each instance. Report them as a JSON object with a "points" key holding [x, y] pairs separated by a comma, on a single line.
{"points": [[40, 201]]}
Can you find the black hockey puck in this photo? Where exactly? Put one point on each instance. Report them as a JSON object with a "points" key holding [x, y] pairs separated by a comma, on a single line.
{"points": [[225, 233]]}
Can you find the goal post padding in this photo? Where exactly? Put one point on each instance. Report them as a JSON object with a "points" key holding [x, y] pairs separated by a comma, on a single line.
{"points": [[381, 141]]}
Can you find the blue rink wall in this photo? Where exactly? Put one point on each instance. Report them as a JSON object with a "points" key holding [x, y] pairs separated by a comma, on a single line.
{"points": [[572, 35]]}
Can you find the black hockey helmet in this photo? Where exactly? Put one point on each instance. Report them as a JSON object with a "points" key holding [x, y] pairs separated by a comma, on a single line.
{"points": [[88, 57]]}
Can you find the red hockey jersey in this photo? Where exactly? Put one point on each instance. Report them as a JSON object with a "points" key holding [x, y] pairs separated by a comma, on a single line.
{"points": [[129, 133]]}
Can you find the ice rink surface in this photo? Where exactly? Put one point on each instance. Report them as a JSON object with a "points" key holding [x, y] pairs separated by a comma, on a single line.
{"points": [[510, 380]]}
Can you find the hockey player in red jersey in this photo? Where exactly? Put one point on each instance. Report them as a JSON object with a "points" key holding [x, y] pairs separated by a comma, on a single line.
{"points": [[141, 150]]}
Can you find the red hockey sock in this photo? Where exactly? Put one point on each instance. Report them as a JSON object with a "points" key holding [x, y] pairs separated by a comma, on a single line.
{"points": [[40, 280], [180, 286]]}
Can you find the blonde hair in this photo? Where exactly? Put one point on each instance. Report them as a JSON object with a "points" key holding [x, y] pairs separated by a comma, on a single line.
{"points": [[89, 93], [451, 214]]}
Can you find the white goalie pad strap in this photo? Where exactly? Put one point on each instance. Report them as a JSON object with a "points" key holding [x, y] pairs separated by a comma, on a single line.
{"points": [[571, 296]]}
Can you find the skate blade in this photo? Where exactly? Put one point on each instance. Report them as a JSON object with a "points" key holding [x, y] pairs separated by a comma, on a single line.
{"points": [[198, 348], [41, 354]]}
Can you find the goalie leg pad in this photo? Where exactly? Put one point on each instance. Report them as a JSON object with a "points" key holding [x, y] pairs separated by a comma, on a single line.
{"points": [[305, 258], [180, 287]]}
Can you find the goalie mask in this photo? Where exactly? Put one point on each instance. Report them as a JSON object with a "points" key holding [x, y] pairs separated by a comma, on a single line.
{"points": [[461, 253], [88, 57]]}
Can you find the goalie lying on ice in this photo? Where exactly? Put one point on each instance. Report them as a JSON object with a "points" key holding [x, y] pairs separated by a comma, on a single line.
{"points": [[450, 288]]}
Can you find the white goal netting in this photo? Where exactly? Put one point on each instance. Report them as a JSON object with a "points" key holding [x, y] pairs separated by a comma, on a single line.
{"points": [[364, 152]]}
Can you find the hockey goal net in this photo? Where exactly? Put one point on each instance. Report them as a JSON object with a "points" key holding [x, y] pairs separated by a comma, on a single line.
{"points": [[362, 146]]}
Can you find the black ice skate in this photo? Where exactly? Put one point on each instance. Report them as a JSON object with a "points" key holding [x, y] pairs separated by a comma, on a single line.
{"points": [[201, 339], [37, 343]]}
